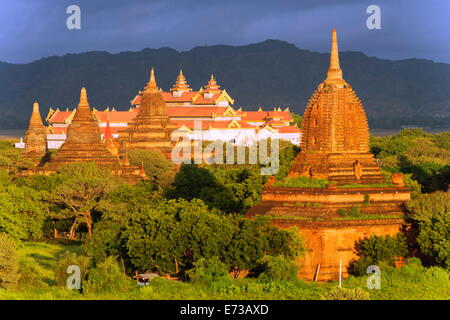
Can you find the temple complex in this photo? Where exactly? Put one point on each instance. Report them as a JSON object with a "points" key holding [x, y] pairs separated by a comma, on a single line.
{"points": [[345, 197], [36, 135], [84, 144], [210, 106], [151, 129]]}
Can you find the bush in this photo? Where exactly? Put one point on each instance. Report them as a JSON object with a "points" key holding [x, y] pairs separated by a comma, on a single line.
{"points": [[277, 268], [9, 263], [210, 270], [66, 260], [346, 294], [359, 267], [380, 248], [353, 212], [29, 278], [106, 278]]}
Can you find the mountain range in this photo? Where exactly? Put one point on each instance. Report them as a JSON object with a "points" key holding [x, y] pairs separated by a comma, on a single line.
{"points": [[273, 73]]}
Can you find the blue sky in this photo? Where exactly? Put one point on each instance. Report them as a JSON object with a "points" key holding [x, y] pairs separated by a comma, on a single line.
{"points": [[33, 29]]}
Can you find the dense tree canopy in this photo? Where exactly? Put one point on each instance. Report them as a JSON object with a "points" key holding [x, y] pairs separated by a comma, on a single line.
{"points": [[432, 214]]}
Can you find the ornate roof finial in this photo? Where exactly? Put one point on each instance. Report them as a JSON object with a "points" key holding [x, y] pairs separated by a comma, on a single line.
{"points": [[212, 84], [181, 83], [334, 71]]}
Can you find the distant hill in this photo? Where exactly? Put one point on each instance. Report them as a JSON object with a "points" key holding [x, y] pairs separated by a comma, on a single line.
{"points": [[413, 92]]}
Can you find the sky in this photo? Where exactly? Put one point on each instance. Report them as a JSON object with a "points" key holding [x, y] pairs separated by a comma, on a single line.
{"points": [[34, 29]]}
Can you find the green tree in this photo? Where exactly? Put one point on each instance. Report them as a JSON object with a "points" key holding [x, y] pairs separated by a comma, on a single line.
{"points": [[158, 169], [431, 213], [22, 212], [81, 187], [11, 158], [9, 262]]}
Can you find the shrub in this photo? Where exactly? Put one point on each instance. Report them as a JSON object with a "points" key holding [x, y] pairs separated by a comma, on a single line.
{"points": [[66, 260], [106, 278], [9, 263], [277, 268], [210, 270], [346, 294], [29, 278], [380, 248], [353, 212]]}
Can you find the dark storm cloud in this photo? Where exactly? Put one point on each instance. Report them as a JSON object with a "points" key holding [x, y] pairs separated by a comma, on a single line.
{"points": [[33, 29]]}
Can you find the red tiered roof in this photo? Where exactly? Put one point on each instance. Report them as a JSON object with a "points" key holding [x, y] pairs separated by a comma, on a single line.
{"points": [[59, 116]]}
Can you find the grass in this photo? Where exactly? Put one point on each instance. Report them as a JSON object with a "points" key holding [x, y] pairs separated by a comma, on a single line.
{"points": [[302, 182], [45, 257], [369, 185], [412, 281], [368, 217]]}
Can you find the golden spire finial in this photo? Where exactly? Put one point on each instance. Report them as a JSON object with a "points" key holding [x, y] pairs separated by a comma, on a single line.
{"points": [[36, 106], [151, 85], [334, 71], [83, 97]]}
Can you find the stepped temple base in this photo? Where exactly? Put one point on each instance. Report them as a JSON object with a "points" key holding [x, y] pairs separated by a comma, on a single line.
{"points": [[330, 243], [330, 237]]}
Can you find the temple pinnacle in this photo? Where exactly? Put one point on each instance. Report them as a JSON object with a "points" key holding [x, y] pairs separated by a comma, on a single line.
{"points": [[83, 97], [151, 85], [36, 106], [334, 71]]}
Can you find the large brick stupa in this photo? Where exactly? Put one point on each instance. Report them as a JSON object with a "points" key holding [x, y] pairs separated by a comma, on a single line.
{"points": [[354, 202], [151, 129], [335, 134]]}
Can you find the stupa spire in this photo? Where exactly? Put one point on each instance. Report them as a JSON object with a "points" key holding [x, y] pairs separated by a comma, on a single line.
{"points": [[334, 71], [83, 98], [151, 85], [36, 120]]}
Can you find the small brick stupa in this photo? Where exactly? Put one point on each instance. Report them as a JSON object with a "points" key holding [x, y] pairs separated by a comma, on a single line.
{"points": [[151, 128], [36, 136], [335, 134], [84, 144], [354, 203]]}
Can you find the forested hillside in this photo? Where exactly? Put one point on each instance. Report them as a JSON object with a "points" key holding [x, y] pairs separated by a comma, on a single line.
{"points": [[271, 73]]}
